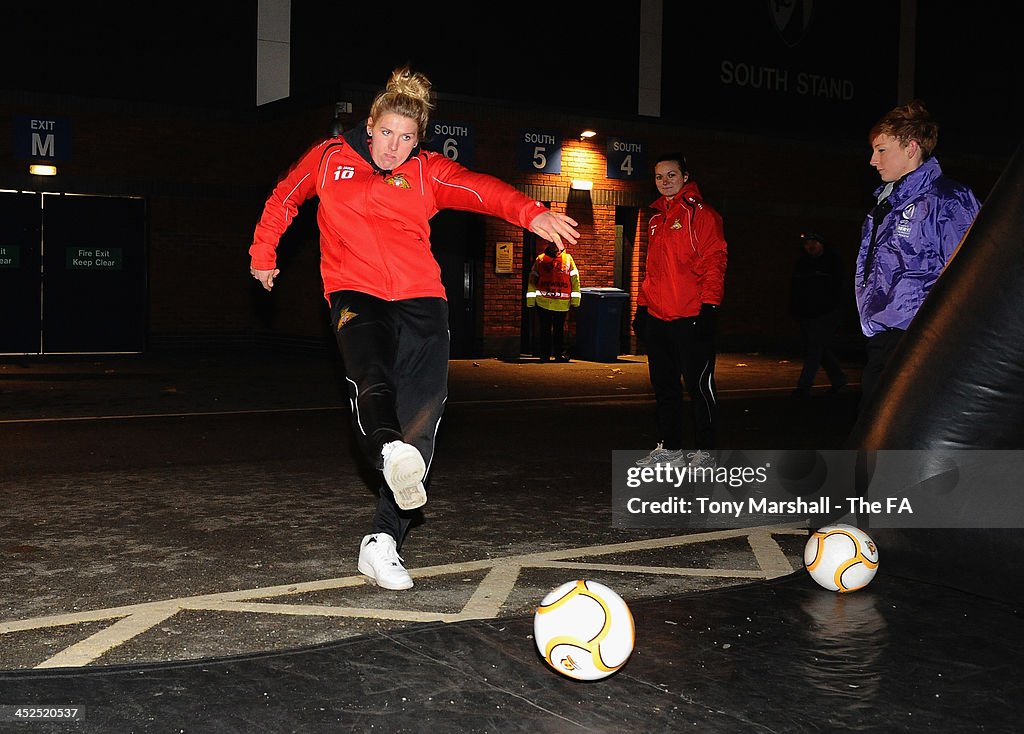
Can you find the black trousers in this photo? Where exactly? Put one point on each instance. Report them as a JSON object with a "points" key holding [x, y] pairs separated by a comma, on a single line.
{"points": [[816, 335], [552, 332], [677, 356], [879, 349], [395, 355]]}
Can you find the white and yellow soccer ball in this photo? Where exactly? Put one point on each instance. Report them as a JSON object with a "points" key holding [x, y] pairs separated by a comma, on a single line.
{"points": [[841, 558], [584, 630]]}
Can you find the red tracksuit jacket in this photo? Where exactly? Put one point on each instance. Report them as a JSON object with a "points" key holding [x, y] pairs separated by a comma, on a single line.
{"points": [[686, 257], [375, 225]]}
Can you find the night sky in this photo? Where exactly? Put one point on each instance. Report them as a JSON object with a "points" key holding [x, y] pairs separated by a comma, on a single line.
{"points": [[566, 55]]}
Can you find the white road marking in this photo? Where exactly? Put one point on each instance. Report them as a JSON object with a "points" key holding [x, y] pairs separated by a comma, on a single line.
{"points": [[486, 601]]}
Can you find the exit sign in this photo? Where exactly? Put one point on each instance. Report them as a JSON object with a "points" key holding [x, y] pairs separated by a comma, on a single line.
{"points": [[40, 138]]}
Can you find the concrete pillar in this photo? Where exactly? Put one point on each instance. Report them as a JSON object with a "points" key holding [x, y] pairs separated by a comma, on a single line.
{"points": [[273, 50], [649, 89]]}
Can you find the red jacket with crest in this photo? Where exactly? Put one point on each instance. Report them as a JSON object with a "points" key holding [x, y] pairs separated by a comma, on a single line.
{"points": [[686, 257], [375, 225]]}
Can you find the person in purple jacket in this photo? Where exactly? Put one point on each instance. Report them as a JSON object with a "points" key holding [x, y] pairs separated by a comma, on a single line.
{"points": [[908, 237]]}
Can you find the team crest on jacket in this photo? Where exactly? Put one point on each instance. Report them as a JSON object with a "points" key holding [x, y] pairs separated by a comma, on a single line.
{"points": [[344, 317], [676, 225], [905, 224], [398, 180]]}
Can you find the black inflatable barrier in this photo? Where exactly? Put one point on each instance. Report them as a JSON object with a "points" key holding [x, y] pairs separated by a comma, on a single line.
{"points": [[956, 381]]}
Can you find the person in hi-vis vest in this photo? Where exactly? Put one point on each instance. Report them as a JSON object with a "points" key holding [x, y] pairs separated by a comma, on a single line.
{"points": [[554, 287]]}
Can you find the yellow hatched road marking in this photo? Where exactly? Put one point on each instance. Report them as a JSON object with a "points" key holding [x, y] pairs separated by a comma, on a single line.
{"points": [[486, 601]]}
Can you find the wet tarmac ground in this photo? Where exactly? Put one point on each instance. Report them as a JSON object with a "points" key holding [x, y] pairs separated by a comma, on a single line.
{"points": [[179, 538]]}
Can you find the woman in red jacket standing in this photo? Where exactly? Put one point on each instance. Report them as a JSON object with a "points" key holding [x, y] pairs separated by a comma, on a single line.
{"points": [[378, 190], [684, 283]]}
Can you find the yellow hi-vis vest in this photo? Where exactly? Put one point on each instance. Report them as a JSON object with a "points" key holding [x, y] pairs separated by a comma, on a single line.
{"points": [[554, 283]]}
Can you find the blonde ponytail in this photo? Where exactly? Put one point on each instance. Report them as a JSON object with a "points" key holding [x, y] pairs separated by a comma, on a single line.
{"points": [[408, 93]]}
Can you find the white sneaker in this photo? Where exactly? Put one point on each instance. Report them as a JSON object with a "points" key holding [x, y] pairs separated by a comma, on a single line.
{"points": [[681, 462], [701, 459], [403, 471], [660, 455], [379, 559]]}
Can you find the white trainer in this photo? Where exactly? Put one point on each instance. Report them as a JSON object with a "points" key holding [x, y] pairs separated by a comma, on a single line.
{"points": [[701, 459], [682, 461], [403, 471], [379, 559], [660, 455]]}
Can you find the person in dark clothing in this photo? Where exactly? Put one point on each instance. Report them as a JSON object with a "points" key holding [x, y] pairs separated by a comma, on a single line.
{"points": [[816, 303]]}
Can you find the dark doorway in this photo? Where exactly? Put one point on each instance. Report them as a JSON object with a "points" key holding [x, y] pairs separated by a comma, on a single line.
{"points": [[625, 252], [457, 241], [527, 330]]}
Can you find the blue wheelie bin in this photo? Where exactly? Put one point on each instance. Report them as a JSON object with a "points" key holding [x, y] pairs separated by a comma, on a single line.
{"points": [[598, 323]]}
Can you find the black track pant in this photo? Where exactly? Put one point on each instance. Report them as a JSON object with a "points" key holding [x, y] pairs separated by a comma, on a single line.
{"points": [[816, 335], [879, 349], [395, 355], [675, 354]]}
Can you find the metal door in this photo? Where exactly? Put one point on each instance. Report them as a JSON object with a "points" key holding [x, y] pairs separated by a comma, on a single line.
{"points": [[20, 278], [94, 274]]}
